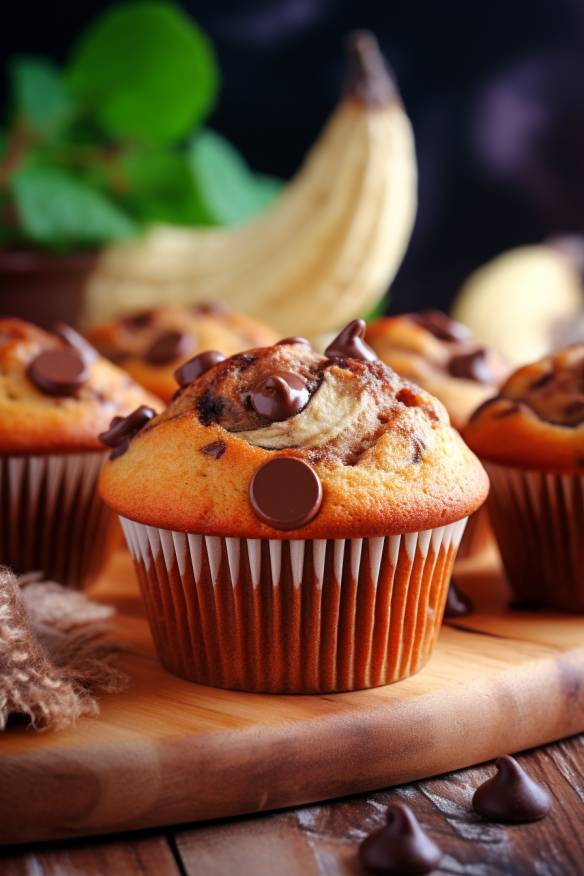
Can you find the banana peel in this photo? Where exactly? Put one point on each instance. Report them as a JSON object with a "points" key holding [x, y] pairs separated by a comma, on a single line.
{"points": [[323, 254]]}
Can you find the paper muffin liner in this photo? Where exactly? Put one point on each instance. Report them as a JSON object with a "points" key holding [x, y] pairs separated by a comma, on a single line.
{"points": [[538, 520], [53, 520], [287, 616], [477, 535]]}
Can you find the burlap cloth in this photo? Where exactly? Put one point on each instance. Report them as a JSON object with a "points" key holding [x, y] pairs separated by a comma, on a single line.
{"points": [[53, 656]]}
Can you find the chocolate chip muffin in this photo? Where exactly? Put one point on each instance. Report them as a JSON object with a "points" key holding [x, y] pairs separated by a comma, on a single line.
{"points": [[442, 356], [531, 437], [56, 395], [151, 344], [294, 518]]}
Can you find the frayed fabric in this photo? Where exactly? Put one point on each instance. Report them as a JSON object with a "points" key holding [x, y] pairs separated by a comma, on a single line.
{"points": [[54, 660]]}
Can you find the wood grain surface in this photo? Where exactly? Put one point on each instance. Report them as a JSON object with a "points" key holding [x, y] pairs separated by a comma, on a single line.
{"points": [[166, 751]]}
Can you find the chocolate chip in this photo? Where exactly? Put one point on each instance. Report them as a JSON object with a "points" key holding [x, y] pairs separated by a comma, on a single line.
{"points": [[473, 366], [196, 366], [136, 321], [441, 326], [401, 848], [458, 603], [511, 796], [286, 493], [349, 343], [216, 449], [210, 308], [76, 341], [58, 372], [168, 347], [210, 408], [123, 429], [542, 381], [279, 396], [574, 412], [293, 340]]}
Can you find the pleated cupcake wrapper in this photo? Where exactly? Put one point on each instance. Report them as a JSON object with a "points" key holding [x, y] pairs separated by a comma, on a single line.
{"points": [[293, 616], [538, 520], [53, 520]]}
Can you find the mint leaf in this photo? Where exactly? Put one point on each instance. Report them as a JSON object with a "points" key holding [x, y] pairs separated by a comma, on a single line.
{"points": [[57, 209], [160, 188], [145, 71], [39, 94], [228, 190]]}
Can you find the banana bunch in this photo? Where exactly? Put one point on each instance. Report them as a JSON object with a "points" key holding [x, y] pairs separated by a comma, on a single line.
{"points": [[324, 253]]}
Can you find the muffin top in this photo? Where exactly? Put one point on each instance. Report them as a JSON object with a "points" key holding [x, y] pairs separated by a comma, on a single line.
{"points": [[537, 419], [56, 393], [283, 442], [442, 356], [151, 344]]}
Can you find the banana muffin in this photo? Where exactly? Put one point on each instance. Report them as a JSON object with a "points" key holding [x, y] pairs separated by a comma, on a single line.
{"points": [[56, 395], [294, 518], [151, 344], [531, 438]]}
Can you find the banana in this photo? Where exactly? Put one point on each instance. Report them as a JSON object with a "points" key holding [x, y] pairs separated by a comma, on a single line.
{"points": [[323, 254]]}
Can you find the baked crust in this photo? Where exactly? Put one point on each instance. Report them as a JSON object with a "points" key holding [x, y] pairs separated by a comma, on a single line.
{"points": [[537, 420], [388, 459], [205, 327], [32, 421]]}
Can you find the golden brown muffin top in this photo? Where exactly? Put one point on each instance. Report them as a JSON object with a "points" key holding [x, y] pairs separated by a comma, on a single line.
{"points": [[151, 344], [537, 419], [373, 453], [442, 356], [56, 392]]}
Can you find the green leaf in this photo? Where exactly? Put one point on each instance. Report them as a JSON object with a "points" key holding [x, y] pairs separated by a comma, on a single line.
{"points": [[160, 188], [229, 191], [145, 71], [57, 209], [39, 94], [376, 311]]}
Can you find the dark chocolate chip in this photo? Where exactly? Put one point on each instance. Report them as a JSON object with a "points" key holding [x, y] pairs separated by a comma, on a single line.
{"points": [[511, 796], [401, 848], [197, 366], [458, 603], [473, 366], [286, 493], [349, 343], [123, 429], [441, 326], [210, 408], [58, 372], [574, 412], [76, 341], [216, 449], [542, 381], [210, 308], [136, 321], [295, 339], [279, 396], [168, 347]]}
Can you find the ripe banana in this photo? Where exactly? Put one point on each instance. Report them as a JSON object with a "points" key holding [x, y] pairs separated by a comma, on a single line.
{"points": [[323, 254]]}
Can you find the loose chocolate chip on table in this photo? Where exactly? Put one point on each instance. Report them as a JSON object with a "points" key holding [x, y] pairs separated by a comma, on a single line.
{"points": [[401, 848], [511, 796], [472, 366], [296, 339], [196, 366], [285, 493], [216, 449], [168, 347], [76, 341], [458, 604], [349, 343], [279, 396], [58, 372], [123, 429]]}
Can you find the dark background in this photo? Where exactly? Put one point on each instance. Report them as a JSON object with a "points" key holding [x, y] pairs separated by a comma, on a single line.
{"points": [[495, 92]]}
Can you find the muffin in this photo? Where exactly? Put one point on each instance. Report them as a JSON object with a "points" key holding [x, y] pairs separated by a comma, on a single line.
{"points": [[441, 356], [151, 344], [531, 437], [294, 517], [56, 395]]}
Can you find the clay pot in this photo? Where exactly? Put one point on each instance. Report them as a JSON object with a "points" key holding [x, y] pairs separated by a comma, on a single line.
{"points": [[44, 287]]}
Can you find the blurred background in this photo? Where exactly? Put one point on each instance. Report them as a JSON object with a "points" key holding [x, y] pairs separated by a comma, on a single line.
{"points": [[495, 92]]}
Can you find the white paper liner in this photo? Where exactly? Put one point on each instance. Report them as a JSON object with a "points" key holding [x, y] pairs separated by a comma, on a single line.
{"points": [[538, 520], [53, 520], [293, 616]]}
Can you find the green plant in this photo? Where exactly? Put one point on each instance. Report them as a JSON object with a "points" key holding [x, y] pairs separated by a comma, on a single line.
{"points": [[96, 151]]}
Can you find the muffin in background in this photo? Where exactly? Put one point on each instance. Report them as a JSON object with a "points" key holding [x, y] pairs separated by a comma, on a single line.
{"points": [[151, 344], [441, 356], [294, 517], [531, 438], [56, 395]]}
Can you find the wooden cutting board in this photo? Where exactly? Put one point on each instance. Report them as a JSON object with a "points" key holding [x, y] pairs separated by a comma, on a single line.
{"points": [[167, 751]]}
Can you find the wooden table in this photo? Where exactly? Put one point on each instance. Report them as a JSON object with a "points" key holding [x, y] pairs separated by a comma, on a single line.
{"points": [[322, 840]]}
